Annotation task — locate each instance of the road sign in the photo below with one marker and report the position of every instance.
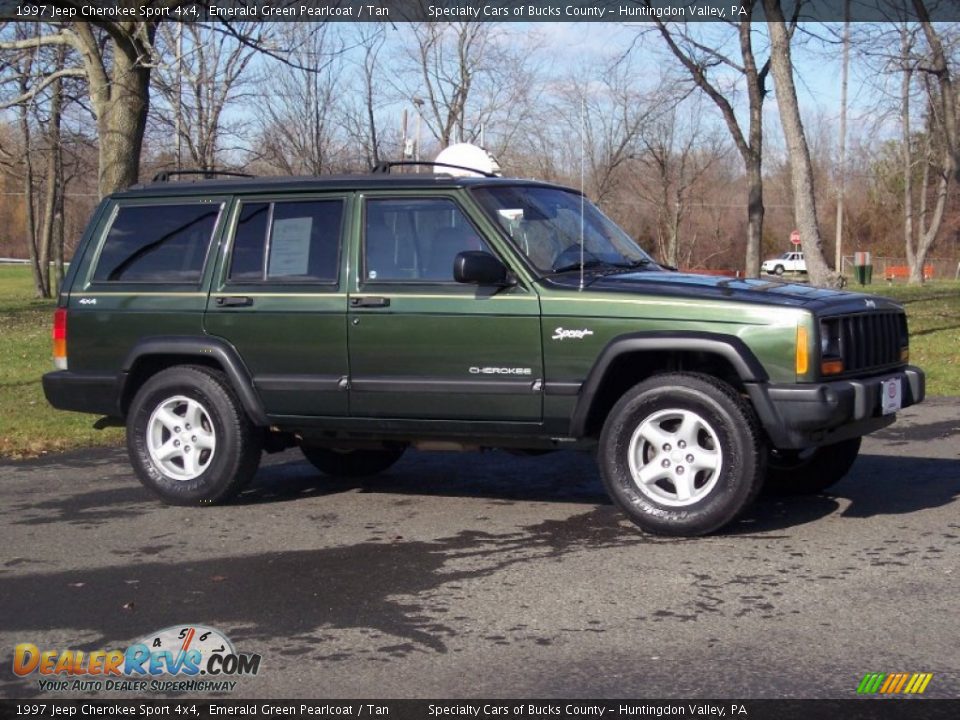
(795, 237)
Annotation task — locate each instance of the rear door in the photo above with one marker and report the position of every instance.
(278, 297)
(145, 275)
(423, 346)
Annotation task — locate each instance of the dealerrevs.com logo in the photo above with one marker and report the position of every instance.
(182, 658)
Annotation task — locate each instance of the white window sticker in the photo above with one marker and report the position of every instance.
(290, 246)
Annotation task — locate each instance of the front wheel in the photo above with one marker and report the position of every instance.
(189, 439)
(808, 472)
(682, 454)
(351, 463)
(778, 270)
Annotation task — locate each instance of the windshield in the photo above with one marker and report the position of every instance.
(545, 225)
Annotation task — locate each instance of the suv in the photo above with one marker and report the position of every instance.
(358, 316)
(788, 262)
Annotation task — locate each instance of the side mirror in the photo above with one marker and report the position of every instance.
(480, 268)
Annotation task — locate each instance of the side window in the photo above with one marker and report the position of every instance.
(287, 242)
(415, 239)
(157, 243)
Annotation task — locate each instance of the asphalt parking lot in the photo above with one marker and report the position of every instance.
(490, 575)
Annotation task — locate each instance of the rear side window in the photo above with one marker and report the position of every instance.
(287, 242)
(157, 243)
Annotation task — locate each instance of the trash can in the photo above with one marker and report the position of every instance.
(863, 268)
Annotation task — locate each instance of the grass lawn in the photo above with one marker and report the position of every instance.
(29, 426)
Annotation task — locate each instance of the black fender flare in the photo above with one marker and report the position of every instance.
(222, 352)
(729, 347)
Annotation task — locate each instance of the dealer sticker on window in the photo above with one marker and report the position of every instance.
(891, 396)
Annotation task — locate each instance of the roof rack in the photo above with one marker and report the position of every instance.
(383, 167)
(165, 175)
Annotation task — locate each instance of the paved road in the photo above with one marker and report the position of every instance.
(492, 575)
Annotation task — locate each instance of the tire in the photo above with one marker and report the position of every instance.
(791, 472)
(174, 460)
(351, 463)
(654, 430)
(778, 270)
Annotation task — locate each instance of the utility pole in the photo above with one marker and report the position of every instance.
(418, 101)
(842, 175)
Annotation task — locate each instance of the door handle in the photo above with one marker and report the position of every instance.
(370, 302)
(235, 301)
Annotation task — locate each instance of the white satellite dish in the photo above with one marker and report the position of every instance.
(470, 161)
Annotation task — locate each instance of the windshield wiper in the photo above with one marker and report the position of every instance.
(626, 266)
(587, 264)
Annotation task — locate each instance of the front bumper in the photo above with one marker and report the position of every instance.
(799, 416)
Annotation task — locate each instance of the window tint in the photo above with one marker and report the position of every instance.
(157, 243)
(248, 242)
(302, 245)
(415, 239)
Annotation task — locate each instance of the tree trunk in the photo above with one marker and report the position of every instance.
(52, 179)
(29, 216)
(121, 119)
(755, 212)
(805, 206)
(906, 149)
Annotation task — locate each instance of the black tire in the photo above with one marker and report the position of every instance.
(727, 434)
(797, 472)
(225, 469)
(778, 270)
(351, 463)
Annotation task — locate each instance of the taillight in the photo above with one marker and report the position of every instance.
(60, 338)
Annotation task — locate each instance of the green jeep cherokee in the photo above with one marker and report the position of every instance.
(357, 316)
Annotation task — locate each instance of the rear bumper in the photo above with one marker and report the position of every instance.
(798, 416)
(82, 392)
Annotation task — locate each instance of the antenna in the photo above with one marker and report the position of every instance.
(583, 104)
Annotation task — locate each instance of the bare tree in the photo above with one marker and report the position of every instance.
(468, 80)
(38, 164)
(300, 131)
(204, 76)
(804, 197)
(677, 151)
(701, 58)
(361, 112)
(929, 152)
(946, 108)
(115, 59)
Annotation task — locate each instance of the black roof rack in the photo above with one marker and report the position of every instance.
(165, 175)
(383, 167)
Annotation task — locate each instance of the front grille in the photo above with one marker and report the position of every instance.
(870, 341)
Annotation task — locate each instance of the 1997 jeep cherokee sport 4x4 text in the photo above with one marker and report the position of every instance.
(356, 316)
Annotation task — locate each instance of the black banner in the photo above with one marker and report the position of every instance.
(856, 709)
(472, 10)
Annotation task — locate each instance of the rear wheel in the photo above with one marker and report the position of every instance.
(811, 471)
(681, 454)
(351, 463)
(189, 439)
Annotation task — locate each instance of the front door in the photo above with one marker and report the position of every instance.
(423, 346)
(278, 299)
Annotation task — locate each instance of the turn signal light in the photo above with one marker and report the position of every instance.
(831, 367)
(803, 351)
(905, 355)
(60, 338)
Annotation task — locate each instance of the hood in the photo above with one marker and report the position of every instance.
(711, 287)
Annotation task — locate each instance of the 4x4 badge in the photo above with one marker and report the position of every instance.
(561, 334)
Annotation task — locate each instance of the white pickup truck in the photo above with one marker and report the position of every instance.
(788, 262)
